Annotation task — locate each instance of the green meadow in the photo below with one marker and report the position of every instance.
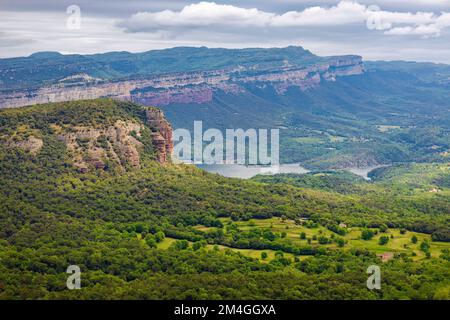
(400, 241)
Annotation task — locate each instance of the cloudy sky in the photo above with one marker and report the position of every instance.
(376, 29)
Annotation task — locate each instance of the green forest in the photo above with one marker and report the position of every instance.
(173, 231)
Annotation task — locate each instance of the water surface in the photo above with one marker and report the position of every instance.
(247, 172)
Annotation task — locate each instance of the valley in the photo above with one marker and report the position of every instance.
(290, 232)
(152, 229)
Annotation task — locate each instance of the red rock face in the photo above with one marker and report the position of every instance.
(162, 134)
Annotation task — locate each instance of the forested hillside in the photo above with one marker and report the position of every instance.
(143, 229)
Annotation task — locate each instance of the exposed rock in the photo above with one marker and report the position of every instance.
(187, 87)
(92, 147)
(118, 145)
(32, 144)
(162, 134)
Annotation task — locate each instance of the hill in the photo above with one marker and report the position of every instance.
(137, 228)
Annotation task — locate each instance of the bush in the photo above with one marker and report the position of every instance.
(159, 236)
(425, 246)
(383, 240)
(150, 240)
(323, 240)
(367, 234)
(181, 244)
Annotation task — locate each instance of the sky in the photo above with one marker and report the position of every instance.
(417, 30)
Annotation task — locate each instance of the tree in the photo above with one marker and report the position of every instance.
(340, 242)
(414, 239)
(323, 240)
(425, 246)
(269, 235)
(383, 240)
(150, 240)
(367, 234)
(264, 255)
(181, 244)
(196, 246)
(159, 236)
(303, 236)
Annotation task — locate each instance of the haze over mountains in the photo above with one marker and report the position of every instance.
(334, 112)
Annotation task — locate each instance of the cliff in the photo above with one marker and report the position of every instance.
(161, 135)
(104, 135)
(198, 83)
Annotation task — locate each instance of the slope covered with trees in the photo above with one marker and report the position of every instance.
(112, 222)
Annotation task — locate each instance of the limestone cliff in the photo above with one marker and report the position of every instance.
(116, 142)
(161, 135)
(100, 148)
(186, 87)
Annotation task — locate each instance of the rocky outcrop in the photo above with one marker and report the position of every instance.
(116, 145)
(187, 87)
(30, 144)
(161, 135)
(119, 145)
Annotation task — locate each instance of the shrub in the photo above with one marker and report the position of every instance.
(367, 234)
(383, 240)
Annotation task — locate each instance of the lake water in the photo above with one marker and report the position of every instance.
(247, 172)
(364, 172)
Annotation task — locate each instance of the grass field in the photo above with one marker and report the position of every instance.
(167, 242)
(398, 242)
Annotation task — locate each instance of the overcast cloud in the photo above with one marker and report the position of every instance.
(389, 30)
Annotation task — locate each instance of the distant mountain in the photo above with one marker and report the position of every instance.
(333, 112)
(45, 68)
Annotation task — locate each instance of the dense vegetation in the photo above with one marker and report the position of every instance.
(115, 226)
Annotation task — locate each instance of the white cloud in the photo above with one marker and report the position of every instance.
(422, 30)
(202, 14)
(343, 13)
(213, 15)
(325, 27)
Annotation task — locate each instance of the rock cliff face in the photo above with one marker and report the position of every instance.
(186, 87)
(120, 144)
(117, 145)
(100, 148)
(161, 135)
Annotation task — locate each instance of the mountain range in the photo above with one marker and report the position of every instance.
(333, 112)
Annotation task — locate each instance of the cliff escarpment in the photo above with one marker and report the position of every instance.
(164, 85)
